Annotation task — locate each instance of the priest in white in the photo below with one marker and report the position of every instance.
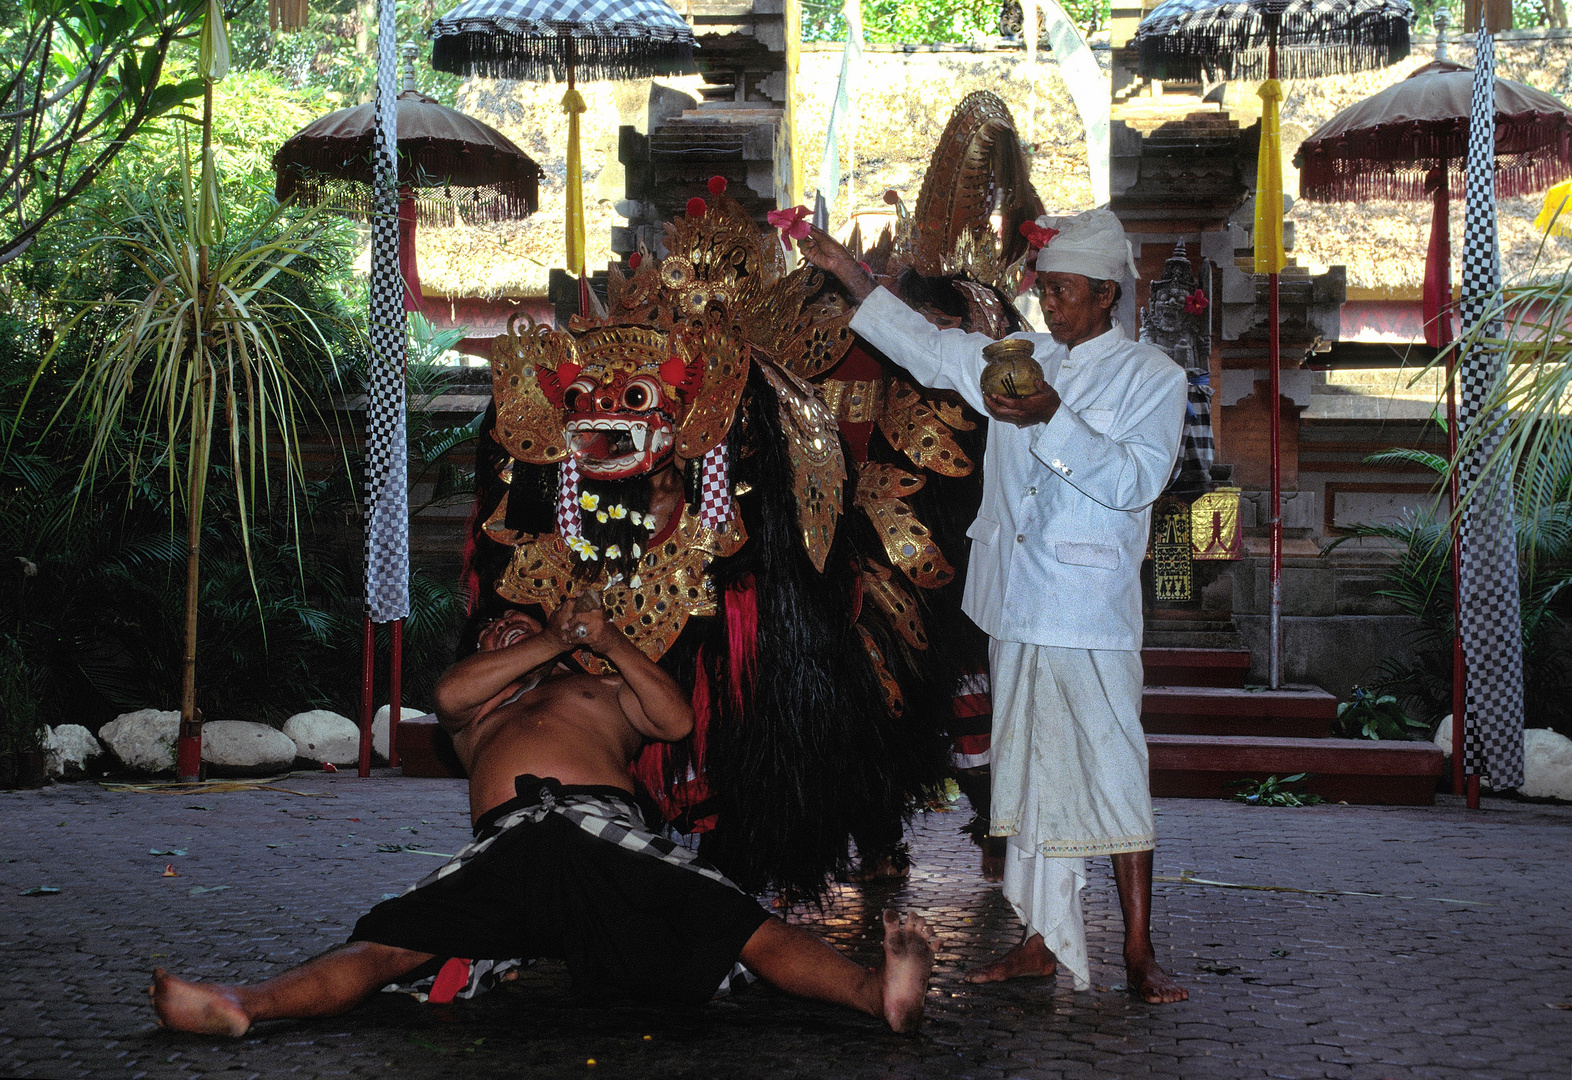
(1069, 477)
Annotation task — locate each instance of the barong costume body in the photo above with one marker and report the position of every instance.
(572, 872)
(1054, 581)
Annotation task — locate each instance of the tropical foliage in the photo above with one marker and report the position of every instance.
(930, 21)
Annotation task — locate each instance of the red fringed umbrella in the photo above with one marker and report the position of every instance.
(1386, 146)
(449, 166)
(1408, 143)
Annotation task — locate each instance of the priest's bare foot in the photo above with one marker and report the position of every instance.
(1155, 986)
(205, 1008)
(908, 962)
(1030, 958)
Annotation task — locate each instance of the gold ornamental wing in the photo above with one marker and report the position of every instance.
(881, 492)
(918, 430)
(529, 426)
(817, 462)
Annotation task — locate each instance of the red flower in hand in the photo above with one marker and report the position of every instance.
(1036, 235)
(1196, 303)
(792, 223)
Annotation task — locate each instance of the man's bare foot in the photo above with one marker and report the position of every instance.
(1030, 957)
(908, 961)
(205, 1008)
(1154, 985)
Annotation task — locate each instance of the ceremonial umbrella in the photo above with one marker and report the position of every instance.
(1410, 142)
(1247, 38)
(446, 164)
(563, 39)
(450, 166)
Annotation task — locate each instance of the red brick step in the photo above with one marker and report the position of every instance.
(1195, 667)
(1361, 771)
(1300, 712)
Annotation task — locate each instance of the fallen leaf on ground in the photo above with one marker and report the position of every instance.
(328, 766)
(166, 851)
(40, 890)
(169, 870)
(198, 890)
(1558, 1005)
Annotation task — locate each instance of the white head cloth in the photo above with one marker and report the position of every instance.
(1091, 244)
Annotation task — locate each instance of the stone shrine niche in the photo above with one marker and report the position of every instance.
(1177, 317)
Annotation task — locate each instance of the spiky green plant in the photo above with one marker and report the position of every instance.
(208, 352)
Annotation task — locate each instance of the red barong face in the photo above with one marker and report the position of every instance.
(621, 428)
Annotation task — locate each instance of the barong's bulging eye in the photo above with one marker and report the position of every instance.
(571, 397)
(641, 394)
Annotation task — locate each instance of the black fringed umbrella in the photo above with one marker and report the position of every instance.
(541, 39)
(1182, 39)
(564, 39)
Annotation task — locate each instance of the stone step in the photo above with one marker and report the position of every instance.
(1301, 712)
(1170, 639)
(1184, 666)
(1360, 771)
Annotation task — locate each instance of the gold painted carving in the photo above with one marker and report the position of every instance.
(878, 583)
(893, 699)
(529, 426)
(1214, 525)
(818, 466)
(916, 429)
(853, 402)
(673, 585)
(881, 491)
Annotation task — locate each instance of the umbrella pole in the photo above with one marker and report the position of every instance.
(1444, 340)
(368, 667)
(576, 187)
(395, 690)
(1275, 384)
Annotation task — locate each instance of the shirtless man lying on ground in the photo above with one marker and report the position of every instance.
(563, 864)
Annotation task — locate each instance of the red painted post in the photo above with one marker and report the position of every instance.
(395, 689)
(1275, 384)
(368, 667)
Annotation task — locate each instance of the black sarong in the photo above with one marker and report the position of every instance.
(573, 873)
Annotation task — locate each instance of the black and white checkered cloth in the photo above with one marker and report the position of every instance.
(1193, 470)
(534, 39)
(1190, 39)
(387, 464)
(569, 521)
(1490, 620)
(715, 488)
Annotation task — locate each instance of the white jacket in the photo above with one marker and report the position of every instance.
(1058, 542)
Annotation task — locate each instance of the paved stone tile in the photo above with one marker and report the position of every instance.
(1444, 970)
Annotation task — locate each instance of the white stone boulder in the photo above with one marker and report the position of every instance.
(1547, 761)
(68, 748)
(1547, 765)
(245, 748)
(322, 735)
(379, 728)
(143, 740)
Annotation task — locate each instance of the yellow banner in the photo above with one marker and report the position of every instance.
(573, 105)
(1269, 256)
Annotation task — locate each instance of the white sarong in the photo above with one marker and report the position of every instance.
(1069, 780)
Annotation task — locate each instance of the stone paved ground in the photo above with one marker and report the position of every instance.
(1409, 982)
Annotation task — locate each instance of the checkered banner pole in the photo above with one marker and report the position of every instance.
(387, 470)
(1489, 618)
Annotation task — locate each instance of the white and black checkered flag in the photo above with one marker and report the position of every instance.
(387, 468)
(1489, 618)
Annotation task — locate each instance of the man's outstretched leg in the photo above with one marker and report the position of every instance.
(798, 962)
(1133, 876)
(323, 986)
